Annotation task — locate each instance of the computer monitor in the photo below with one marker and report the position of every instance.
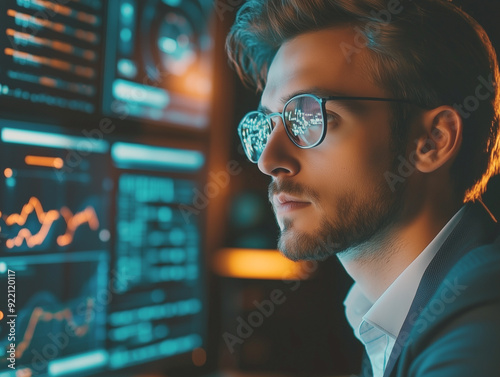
(158, 61)
(102, 263)
(50, 56)
(101, 267)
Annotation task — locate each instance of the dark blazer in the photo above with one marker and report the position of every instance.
(453, 326)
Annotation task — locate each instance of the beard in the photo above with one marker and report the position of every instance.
(359, 221)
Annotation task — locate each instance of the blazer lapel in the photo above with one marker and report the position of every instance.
(476, 227)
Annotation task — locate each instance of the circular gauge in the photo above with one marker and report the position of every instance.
(171, 32)
(176, 44)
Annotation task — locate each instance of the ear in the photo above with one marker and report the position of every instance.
(441, 138)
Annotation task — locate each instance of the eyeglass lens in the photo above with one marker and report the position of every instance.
(254, 132)
(303, 118)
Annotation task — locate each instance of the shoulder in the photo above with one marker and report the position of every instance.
(478, 274)
(458, 330)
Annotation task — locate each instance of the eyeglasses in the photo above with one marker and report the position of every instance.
(304, 117)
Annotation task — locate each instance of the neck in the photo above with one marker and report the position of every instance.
(375, 264)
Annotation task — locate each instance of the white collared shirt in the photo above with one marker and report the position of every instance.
(377, 325)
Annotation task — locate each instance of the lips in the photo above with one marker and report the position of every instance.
(286, 203)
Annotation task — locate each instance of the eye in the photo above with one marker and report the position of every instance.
(332, 119)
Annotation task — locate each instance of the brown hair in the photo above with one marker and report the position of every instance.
(427, 51)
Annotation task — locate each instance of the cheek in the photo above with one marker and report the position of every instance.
(357, 164)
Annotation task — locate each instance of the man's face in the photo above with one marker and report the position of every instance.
(332, 197)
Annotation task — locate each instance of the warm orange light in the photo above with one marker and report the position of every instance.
(198, 84)
(199, 357)
(257, 264)
(50, 162)
(47, 81)
(8, 173)
(24, 372)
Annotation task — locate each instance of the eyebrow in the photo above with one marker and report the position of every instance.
(264, 109)
(317, 91)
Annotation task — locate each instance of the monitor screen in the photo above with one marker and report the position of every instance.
(160, 305)
(102, 267)
(101, 261)
(140, 60)
(50, 54)
(158, 63)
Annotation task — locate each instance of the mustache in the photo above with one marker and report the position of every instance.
(291, 188)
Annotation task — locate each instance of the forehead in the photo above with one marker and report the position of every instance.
(326, 61)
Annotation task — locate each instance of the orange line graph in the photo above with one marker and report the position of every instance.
(47, 219)
(39, 314)
(33, 205)
(31, 239)
(88, 216)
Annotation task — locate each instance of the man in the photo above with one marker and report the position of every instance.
(379, 128)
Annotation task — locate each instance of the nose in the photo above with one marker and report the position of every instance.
(279, 157)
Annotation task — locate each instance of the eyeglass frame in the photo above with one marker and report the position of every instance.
(322, 101)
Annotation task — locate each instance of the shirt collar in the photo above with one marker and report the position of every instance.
(389, 312)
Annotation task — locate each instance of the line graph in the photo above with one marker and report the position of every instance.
(74, 221)
(33, 206)
(59, 313)
(39, 314)
(47, 221)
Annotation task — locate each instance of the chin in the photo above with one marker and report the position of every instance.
(304, 246)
